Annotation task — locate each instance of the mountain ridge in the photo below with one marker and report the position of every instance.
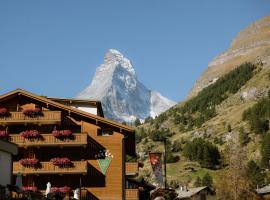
(123, 96)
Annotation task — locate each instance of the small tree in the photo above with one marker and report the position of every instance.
(254, 174)
(137, 122)
(229, 128)
(243, 137)
(177, 146)
(207, 180)
(198, 182)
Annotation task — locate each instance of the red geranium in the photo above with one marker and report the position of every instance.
(3, 112)
(29, 162)
(32, 112)
(4, 134)
(64, 189)
(29, 188)
(61, 162)
(30, 134)
(62, 133)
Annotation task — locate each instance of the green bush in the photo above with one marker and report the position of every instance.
(258, 116)
(202, 151)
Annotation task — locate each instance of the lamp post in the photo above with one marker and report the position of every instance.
(165, 169)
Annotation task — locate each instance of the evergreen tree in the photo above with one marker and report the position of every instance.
(265, 150)
(229, 128)
(198, 182)
(243, 137)
(177, 146)
(207, 180)
(254, 174)
(137, 122)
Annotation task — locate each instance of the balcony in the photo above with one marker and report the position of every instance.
(132, 168)
(49, 140)
(79, 167)
(132, 194)
(47, 117)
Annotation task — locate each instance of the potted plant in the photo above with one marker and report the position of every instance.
(61, 162)
(30, 134)
(62, 134)
(3, 112)
(4, 134)
(63, 190)
(29, 162)
(32, 112)
(29, 188)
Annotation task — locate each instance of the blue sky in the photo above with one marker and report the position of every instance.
(53, 47)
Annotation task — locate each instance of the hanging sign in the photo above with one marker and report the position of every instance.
(156, 163)
(104, 159)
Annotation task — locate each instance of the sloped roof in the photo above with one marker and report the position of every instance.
(264, 190)
(67, 108)
(189, 193)
(80, 101)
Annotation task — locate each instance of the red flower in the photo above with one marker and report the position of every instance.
(30, 134)
(64, 189)
(32, 112)
(3, 112)
(4, 134)
(29, 162)
(29, 188)
(62, 133)
(61, 162)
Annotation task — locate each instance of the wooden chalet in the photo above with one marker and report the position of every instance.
(68, 142)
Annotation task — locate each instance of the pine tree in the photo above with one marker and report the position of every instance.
(265, 150)
(243, 137)
(254, 174)
(207, 180)
(137, 122)
(198, 182)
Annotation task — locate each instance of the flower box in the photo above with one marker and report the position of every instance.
(61, 134)
(4, 134)
(3, 112)
(29, 162)
(30, 134)
(32, 112)
(64, 189)
(61, 162)
(29, 188)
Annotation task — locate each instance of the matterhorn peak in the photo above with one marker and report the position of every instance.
(123, 96)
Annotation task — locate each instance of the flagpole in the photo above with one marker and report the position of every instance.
(165, 169)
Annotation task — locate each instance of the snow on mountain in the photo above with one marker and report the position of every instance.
(123, 97)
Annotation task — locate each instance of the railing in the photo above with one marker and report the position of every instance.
(132, 168)
(49, 168)
(50, 140)
(46, 117)
(132, 194)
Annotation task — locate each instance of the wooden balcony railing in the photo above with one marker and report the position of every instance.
(132, 194)
(47, 117)
(79, 167)
(132, 168)
(49, 140)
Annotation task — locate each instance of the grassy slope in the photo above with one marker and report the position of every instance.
(229, 112)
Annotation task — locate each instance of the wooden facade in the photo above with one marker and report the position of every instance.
(92, 140)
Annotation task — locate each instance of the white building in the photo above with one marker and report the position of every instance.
(7, 150)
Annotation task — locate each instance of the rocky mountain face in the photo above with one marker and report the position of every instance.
(251, 45)
(123, 96)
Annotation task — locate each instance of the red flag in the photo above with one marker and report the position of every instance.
(156, 163)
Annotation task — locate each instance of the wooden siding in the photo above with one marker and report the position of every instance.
(132, 194)
(132, 168)
(49, 140)
(49, 168)
(47, 117)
